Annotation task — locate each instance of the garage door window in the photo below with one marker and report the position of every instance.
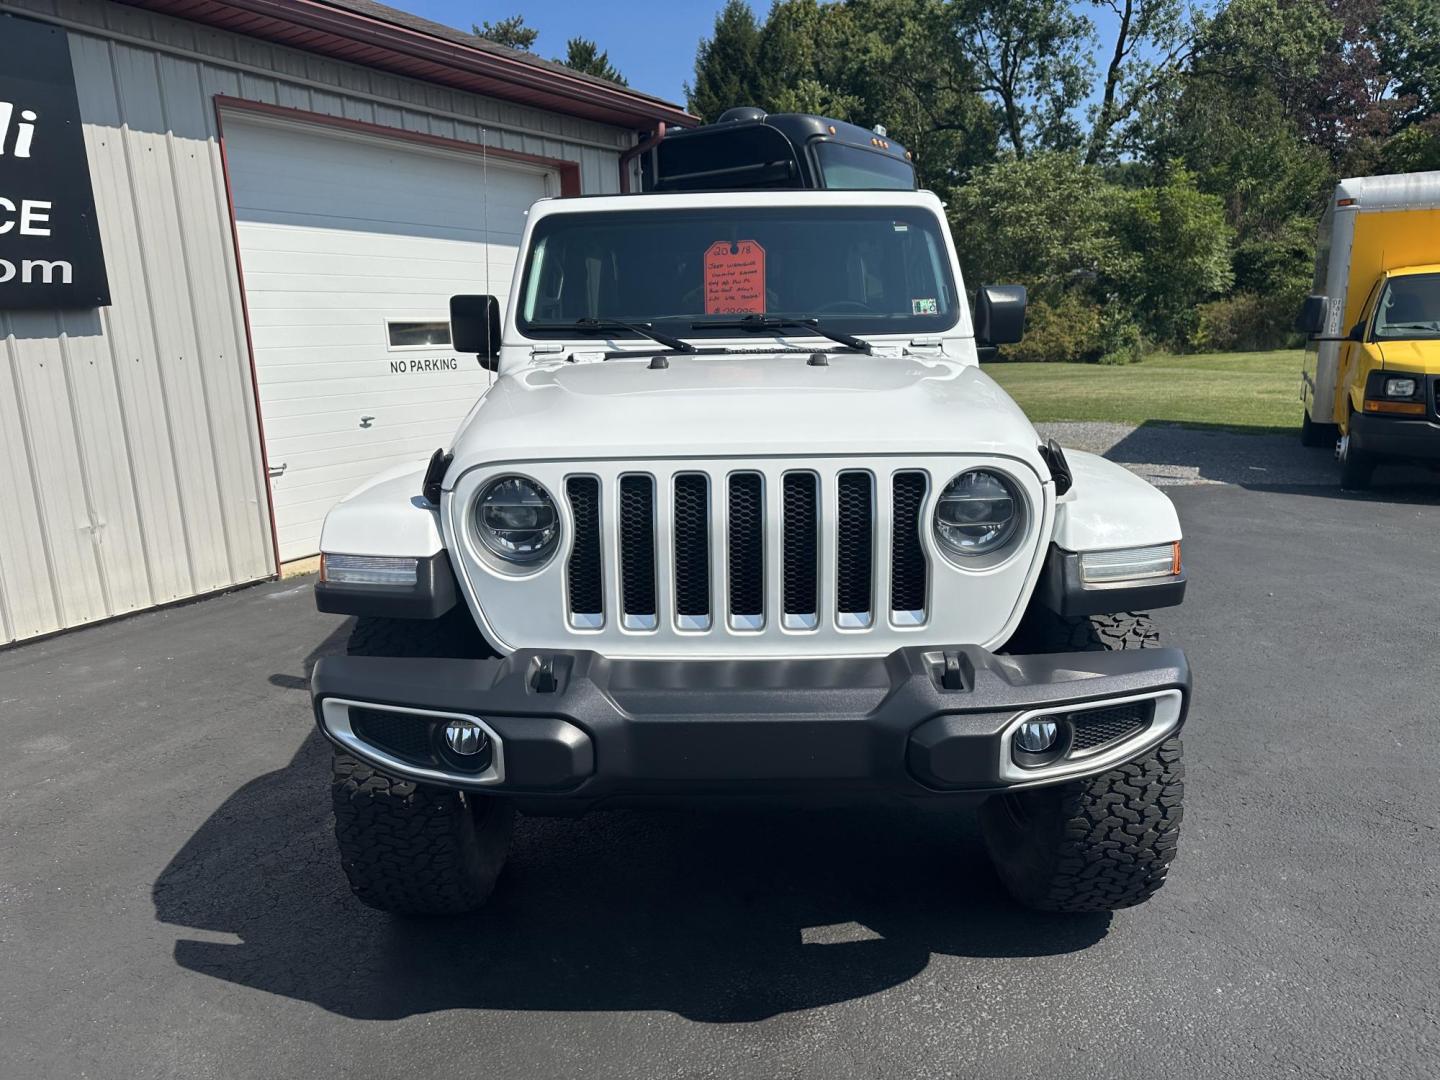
(418, 333)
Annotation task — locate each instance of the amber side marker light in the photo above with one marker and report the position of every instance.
(1396, 408)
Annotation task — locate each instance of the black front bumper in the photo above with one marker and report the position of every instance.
(1393, 436)
(579, 728)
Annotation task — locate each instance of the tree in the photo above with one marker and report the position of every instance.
(727, 69)
(1153, 40)
(1031, 56)
(1407, 33)
(1175, 254)
(511, 32)
(584, 55)
(1041, 221)
(890, 62)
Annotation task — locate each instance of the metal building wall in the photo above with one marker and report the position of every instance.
(130, 466)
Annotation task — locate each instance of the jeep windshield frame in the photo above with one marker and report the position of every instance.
(861, 269)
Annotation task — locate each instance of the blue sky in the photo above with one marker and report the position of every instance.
(653, 44)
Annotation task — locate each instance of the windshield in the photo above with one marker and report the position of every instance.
(1409, 308)
(861, 270)
(854, 167)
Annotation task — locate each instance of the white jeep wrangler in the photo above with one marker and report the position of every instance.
(741, 517)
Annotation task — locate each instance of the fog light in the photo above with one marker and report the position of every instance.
(1037, 736)
(467, 738)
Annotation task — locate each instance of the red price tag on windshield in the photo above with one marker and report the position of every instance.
(735, 278)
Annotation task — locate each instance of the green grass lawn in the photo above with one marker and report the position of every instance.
(1245, 391)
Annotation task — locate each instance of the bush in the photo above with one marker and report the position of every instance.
(1245, 322)
(1176, 254)
(1036, 221)
(1068, 330)
(1120, 339)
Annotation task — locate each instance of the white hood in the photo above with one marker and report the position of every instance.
(744, 406)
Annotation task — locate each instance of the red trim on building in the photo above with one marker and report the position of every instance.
(568, 170)
(441, 56)
(249, 337)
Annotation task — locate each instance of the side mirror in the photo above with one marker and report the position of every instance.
(999, 315)
(1312, 315)
(475, 328)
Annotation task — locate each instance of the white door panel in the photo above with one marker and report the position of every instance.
(338, 236)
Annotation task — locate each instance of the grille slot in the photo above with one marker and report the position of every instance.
(802, 550)
(907, 570)
(400, 734)
(692, 551)
(854, 550)
(637, 552)
(745, 537)
(1094, 728)
(584, 574)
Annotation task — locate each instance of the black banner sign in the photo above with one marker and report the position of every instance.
(50, 253)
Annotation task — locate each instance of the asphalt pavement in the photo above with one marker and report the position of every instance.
(171, 904)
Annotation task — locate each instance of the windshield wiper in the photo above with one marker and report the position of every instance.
(757, 323)
(643, 329)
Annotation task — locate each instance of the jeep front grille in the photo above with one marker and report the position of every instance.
(637, 552)
(584, 585)
(781, 534)
(801, 560)
(908, 571)
(692, 551)
(745, 551)
(854, 550)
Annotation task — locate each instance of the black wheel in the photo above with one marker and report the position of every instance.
(410, 848)
(1101, 843)
(1357, 468)
(416, 850)
(1313, 434)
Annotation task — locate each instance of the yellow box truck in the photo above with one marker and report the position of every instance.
(1372, 366)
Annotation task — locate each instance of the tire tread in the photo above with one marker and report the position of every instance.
(416, 850)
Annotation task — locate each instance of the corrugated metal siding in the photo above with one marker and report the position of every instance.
(130, 469)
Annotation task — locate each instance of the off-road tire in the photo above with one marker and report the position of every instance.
(1097, 844)
(409, 848)
(1042, 631)
(416, 850)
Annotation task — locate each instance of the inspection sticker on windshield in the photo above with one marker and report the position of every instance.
(734, 278)
(927, 306)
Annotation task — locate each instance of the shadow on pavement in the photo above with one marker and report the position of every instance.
(719, 916)
(1169, 453)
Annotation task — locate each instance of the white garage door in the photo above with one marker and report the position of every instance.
(352, 248)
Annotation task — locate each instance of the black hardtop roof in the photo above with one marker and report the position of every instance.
(797, 127)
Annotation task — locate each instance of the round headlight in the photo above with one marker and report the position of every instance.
(977, 513)
(515, 519)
